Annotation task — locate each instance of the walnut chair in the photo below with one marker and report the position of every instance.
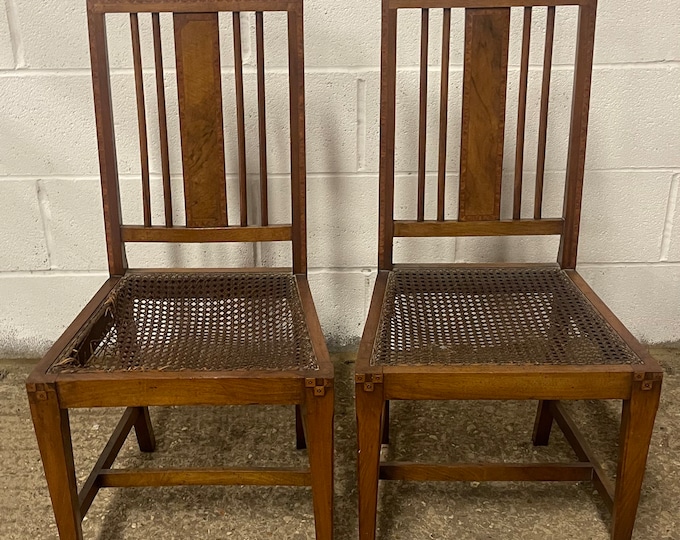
(171, 337)
(495, 331)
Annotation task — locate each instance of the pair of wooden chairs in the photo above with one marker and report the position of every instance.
(245, 336)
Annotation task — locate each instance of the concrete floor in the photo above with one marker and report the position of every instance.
(408, 511)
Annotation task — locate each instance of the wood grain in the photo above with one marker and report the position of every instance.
(422, 115)
(443, 113)
(108, 166)
(388, 76)
(487, 33)
(240, 120)
(189, 6)
(260, 476)
(583, 451)
(479, 228)
(298, 160)
(486, 472)
(162, 118)
(141, 118)
(576, 153)
(543, 116)
(253, 233)
(521, 114)
(199, 88)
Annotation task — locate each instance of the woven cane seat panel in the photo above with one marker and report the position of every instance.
(492, 316)
(197, 321)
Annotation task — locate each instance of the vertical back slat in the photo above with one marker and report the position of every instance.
(298, 165)
(162, 118)
(200, 113)
(240, 120)
(487, 33)
(108, 164)
(443, 112)
(141, 117)
(262, 119)
(422, 129)
(388, 69)
(545, 99)
(521, 114)
(576, 153)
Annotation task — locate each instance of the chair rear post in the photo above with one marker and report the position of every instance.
(108, 164)
(298, 166)
(388, 69)
(576, 155)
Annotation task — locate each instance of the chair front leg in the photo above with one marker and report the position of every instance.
(318, 419)
(370, 407)
(637, 424)
(53, 432)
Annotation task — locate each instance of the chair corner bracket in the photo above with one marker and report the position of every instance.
(39, 391)
(369, 380)
(318, 385)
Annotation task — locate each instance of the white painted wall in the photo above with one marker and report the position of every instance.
(52, 254)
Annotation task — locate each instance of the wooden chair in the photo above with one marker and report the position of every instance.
(505, 331)
(183, 336)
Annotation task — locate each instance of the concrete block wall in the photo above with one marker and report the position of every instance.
(52, 253)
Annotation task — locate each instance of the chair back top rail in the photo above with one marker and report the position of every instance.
(200, 97)
(484, 106)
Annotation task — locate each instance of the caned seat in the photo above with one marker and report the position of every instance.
(502, 329)
(493, 316)
(195, 321)
(192, 336)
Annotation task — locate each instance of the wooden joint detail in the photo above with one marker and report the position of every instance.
(317, 385)
(39, 391)
(648, 380)
(368, 380)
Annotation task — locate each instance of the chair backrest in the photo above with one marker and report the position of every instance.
(483, 124)
(199, 74)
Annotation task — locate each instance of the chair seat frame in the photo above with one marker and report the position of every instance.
(638, 386)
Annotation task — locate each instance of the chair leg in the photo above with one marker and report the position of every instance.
(386, 423)
(370, 409)
(637, 424)
(53, 432)
(144, 431)
(318, 413)
(300, 442)
(543, 424)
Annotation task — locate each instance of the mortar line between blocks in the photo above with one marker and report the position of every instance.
(666, 235)
(54, 273)
(283, 70)
(15, 34)
(46, 219)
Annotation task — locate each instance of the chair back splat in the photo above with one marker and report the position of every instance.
(202, 103)
(484, 121)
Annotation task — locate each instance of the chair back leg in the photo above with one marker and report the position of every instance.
(144, 431)
(543, 424)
